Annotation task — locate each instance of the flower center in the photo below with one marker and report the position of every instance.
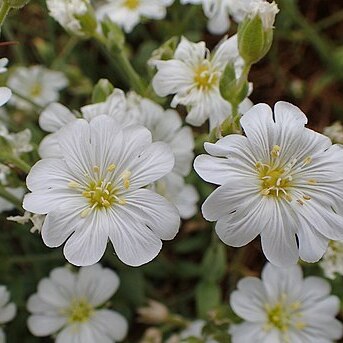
(79, 311)
(36, 90)
(103, 190)
(131, 4)
(276, 178)
(282, 316)
(204, 78)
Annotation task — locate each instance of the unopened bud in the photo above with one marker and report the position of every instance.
(154, 313)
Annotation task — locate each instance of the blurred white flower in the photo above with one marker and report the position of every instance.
(96, 192)
(334, 132)
(4, 172)
(37, 84)
(280, 181)
(70, 305)
(332, 262)
(154, 313)
(194, 75)
(284, 307)
(128, 13)
(65, 12)
(7, 310)
(19, 142)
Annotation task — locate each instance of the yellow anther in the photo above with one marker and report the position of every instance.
(111, 168)
(86, 212)
(308, 160)
(275, 151)
(96, 169)
(121, 201)
(300, 202)
(307, 197)
(312, 181)
(288, 197)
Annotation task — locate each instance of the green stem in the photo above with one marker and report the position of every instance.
(10, 197)
(135, 82)
(24, 259)
(4, 10)
(16, 161)
(69, 47)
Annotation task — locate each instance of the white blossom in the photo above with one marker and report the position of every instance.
(71, 305)
(3, 65)
(193, 75)
(280, 181)
(95, 192)
(194, 330)
(7, 310)
(266, 11)
(65, 12)
(285, 307)
(334, 132)
(5, 94)
(37, 84)
(128, 13)
(332, 261)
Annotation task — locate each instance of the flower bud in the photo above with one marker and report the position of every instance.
(255, 33)
(165, 51)
(154, 313)
(101, 91)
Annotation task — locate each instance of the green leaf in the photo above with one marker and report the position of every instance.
(208, 296)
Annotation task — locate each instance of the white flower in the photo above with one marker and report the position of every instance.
(96, 192)
(4, 172)
(194, 75)
(7, 310)
(5, 94)
(69, 304)
(19, 142)
(65, 12)
(128, 13)
(280, 181)
(335, 132)
(332, 262)
(55, 116)
(37, 84)
(283, 307)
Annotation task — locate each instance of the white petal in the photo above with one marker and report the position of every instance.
(54, 117)
(111, 323)
(87, 245)
(134, 243)
(97, 284)
(7, 313)
(287, 114)
(154, 211)
(5, 94)
(49, 147)
(45, 325)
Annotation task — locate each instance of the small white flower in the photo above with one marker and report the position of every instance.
(7, 310)
(70, 305)
(280, 181)
(194, 75)
(36, 83)
(19, 142)
(96, 192)
(65, 12)
(283, 307)
(332, 262)
(128, 13)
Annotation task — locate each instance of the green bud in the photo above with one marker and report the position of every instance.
(17, 3)
(87, 21)
(253, 40)
(113, 34)
(101, 91)
(165, 51)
